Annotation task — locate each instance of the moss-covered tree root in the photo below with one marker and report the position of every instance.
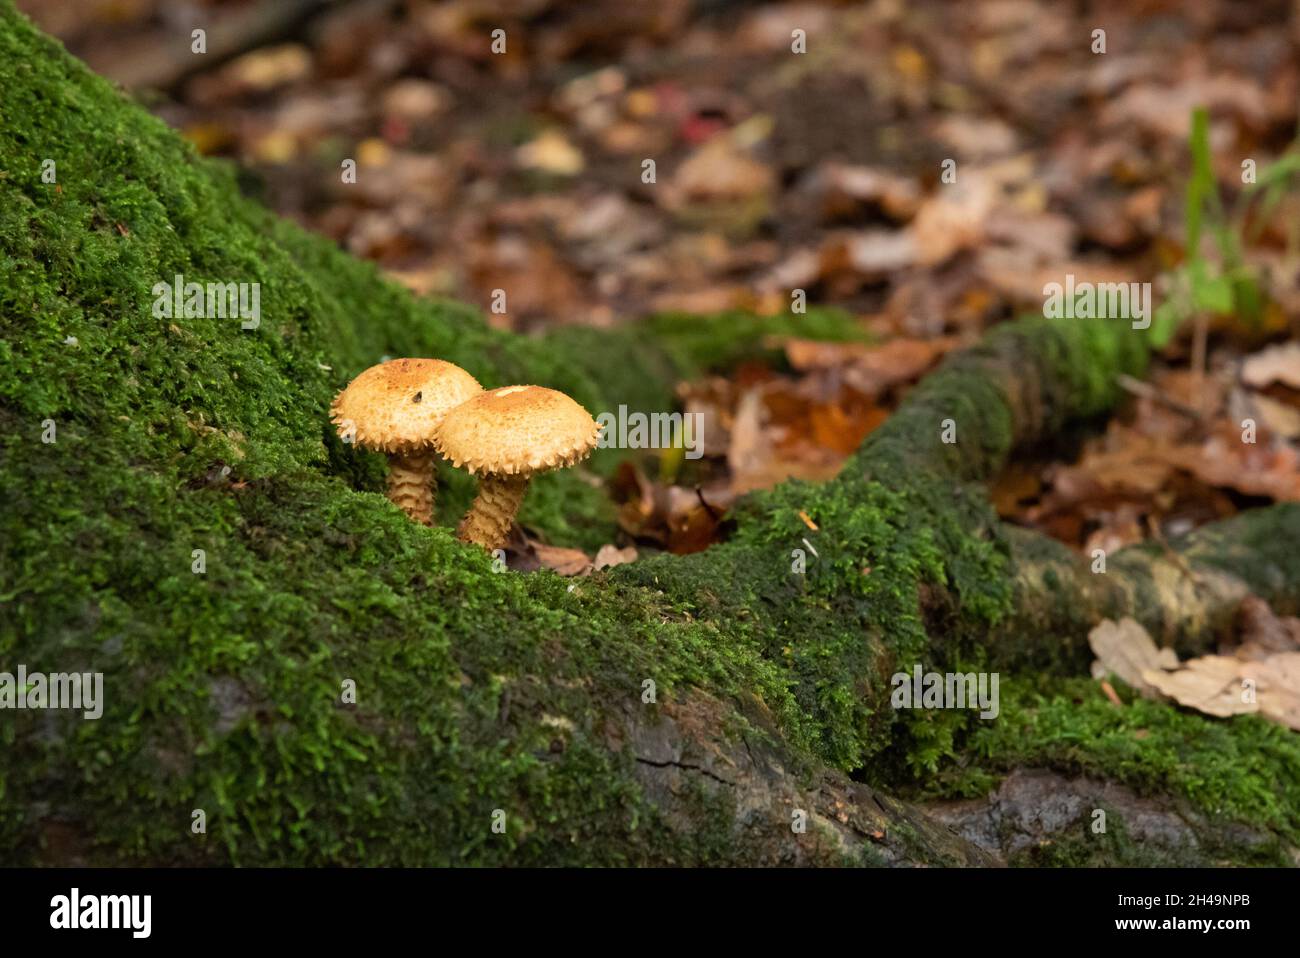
(1187, 592)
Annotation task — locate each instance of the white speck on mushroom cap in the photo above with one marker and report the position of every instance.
(517, 430)
(395, 406)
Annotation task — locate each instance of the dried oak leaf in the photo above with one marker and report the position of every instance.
(610, 555)
(1126, 650)
(566, 562)
(1276, 364)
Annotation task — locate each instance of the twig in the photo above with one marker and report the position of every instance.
(714, 513)
(1138, 388)
(1154, 528)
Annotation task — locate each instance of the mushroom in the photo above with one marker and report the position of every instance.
(505, 437)
(393, 408)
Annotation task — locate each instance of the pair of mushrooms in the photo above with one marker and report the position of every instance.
(411, 409)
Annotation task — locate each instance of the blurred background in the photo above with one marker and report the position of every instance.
(777, 170)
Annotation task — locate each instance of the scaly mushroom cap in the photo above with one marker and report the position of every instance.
(516, 430)
(394, 407)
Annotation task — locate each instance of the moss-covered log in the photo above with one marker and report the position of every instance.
(329, 682)
(1186, 592)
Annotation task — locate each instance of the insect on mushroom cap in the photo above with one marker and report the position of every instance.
(395, 406)
(517, 430)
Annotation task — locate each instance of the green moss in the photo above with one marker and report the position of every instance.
(699, 344)
(904, 531)
(1243, 770)
(843, 626)
(223, 688)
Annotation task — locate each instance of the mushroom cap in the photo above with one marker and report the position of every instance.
(394, 407)
(517, 430)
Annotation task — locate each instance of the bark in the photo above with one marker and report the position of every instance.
(1186, 592)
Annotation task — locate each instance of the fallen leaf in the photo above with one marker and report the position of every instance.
(269, 67)
(874, 254)
(1126, 650)
(1252, 468)
(953, 218)
(749, 449)
(844, 189)
(1276, 364)
(1166, 109)
(1223, 686)
(873, 368)
(833, 428)
(1277, 687)
(610, 555)
(719, 170)
(415, 100)
(1278, 418)
(1262, 632)
(566, 562)
(550, 153)
(1210, 684)
(976, 136)
(693, 532)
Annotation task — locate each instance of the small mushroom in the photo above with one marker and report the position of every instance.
(505, 437)
(394, 408)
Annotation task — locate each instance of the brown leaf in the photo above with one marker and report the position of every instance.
(953, 218)
(550, 153)
(749, 450)
(1210, 684)
(844, 188)
(873, 368)
(1277, 687)
(610, 555)
(1276, 364)
(1126, 650)
(835, 429)
(1252, 468)
(566, 562)
(1277, 418)
(873, 254)
(1223, 686)
(693, 532)
(637, 515)
(1166, 109)
(1262, 632)
(719, 170)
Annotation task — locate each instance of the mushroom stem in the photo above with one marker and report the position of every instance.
(411, 484)
(487, 523)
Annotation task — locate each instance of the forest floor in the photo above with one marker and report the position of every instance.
(824, 173)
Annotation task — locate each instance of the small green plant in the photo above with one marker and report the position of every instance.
(1231, 286)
